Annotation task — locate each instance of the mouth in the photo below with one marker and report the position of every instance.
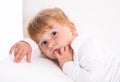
(56, 50)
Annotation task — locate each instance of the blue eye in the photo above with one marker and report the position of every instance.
(43, 43)
(54, 33)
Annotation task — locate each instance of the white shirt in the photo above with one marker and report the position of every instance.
(89, 64)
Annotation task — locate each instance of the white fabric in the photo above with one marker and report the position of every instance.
(39, 70)
(88, 65)
(91, 63)
(113, 70)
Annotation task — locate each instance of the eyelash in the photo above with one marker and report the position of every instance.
(43, 43)
(54, 33)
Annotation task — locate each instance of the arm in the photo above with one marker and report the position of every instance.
(77, 73)
(89, 67)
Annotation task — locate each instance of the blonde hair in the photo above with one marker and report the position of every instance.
(41, 22)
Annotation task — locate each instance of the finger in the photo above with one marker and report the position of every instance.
(66, 48)
(11, 49)
(57, 55)
(17, 54)
(21, 56)
(28, 57)
(70, 49)
(62, 50)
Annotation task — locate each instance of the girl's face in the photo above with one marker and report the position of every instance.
(55, 38)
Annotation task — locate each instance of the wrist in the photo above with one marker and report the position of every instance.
(65, 63)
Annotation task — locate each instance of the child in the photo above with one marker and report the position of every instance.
(56, 37)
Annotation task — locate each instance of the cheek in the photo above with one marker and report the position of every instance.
(43, 50)
(46, 51)
(65, 37)
(49, 55)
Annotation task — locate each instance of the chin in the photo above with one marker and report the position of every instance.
(52, 58)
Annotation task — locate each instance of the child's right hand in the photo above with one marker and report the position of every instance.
(65, 55)
(21, 49)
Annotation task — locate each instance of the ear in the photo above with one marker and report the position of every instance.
(73, 28)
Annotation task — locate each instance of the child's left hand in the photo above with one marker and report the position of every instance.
(64, 55)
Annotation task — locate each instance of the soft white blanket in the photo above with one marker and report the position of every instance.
(39, 70)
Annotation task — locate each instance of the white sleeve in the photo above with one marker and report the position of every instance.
(79, 74)
(76, 73)
(34, 45)
(90, 66)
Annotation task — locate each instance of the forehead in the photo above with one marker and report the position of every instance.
(47, 29)
(51, 25)
(45, 33)
(42, 34)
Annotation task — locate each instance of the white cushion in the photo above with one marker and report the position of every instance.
(39, 70)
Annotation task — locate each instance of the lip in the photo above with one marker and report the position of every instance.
(56, 50)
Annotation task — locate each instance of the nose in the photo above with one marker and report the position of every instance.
(51, 44)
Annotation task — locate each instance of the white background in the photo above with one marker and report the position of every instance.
(99, 18)
(10, 25)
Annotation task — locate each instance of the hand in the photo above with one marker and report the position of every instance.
(21, 49)
(64, 55)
